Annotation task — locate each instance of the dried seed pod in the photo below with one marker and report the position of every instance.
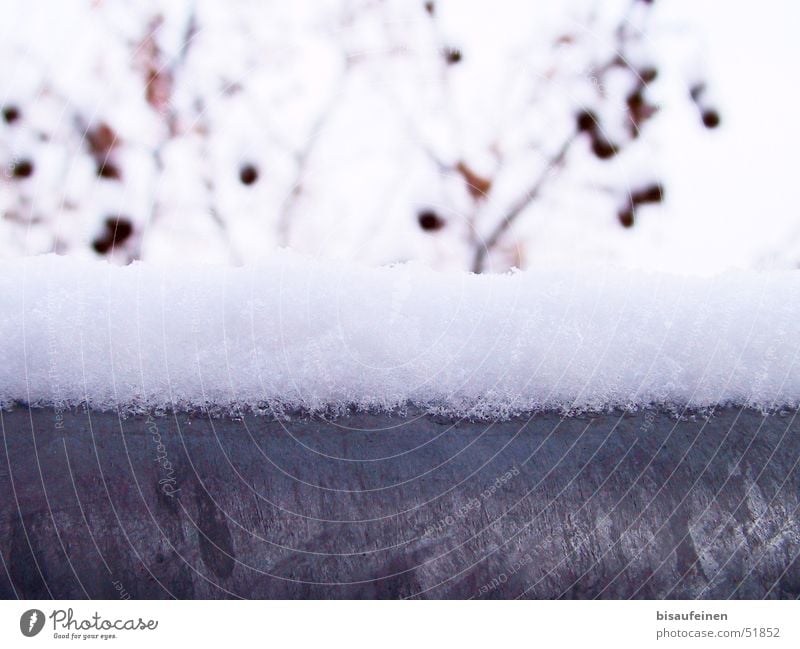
(116, 230)
(477, 186)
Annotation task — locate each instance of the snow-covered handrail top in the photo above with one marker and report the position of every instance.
(299, 333)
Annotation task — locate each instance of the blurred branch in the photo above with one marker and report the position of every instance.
(603, 149)
(161, 78)
(302, 158)
(488, 244)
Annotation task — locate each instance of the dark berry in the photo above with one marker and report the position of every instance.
(651, 194)
(626, 218)
(11, 114)
(116, 230)
(452, 56)
(710, 118)
(101, 139)
(648, 75)
(22, 169)
(107, 169)
(635, 101)
(639, 111)
(603, 149)
(586, 121)
(430, 221)
(248, 174)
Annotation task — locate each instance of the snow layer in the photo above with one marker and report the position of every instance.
(316, 335)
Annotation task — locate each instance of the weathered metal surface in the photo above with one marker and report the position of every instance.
(371, 506)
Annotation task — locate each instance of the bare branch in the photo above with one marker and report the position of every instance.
(522, 203)
(603, 149)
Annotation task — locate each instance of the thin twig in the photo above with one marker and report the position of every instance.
(517, 208)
